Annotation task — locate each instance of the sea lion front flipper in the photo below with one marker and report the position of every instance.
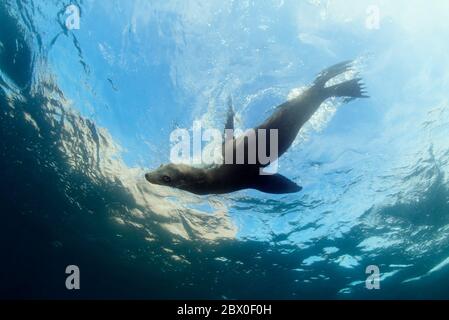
(275, 184)
(228, 133)
(229, 121)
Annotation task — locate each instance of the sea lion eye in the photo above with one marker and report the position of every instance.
(166, 179)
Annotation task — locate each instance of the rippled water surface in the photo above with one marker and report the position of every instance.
(84, 113)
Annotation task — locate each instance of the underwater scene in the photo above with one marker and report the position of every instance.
(92, 91)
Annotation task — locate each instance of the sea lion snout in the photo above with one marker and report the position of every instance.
(148, 177)
(160, 176)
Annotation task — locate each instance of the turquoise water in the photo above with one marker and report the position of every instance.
(86, 112)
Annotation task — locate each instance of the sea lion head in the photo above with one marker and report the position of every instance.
(178, 176)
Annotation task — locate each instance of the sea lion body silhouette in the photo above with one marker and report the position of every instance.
(288, 119)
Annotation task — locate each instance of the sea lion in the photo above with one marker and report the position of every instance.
(288, 119)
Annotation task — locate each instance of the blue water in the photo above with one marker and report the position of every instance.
(86, 112)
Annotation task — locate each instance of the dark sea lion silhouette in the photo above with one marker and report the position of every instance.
(288, 119)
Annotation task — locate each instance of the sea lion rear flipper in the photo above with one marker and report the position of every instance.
(350, 89)
(275, 184)
(332, 72)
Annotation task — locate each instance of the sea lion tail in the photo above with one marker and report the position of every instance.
(350, 89)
